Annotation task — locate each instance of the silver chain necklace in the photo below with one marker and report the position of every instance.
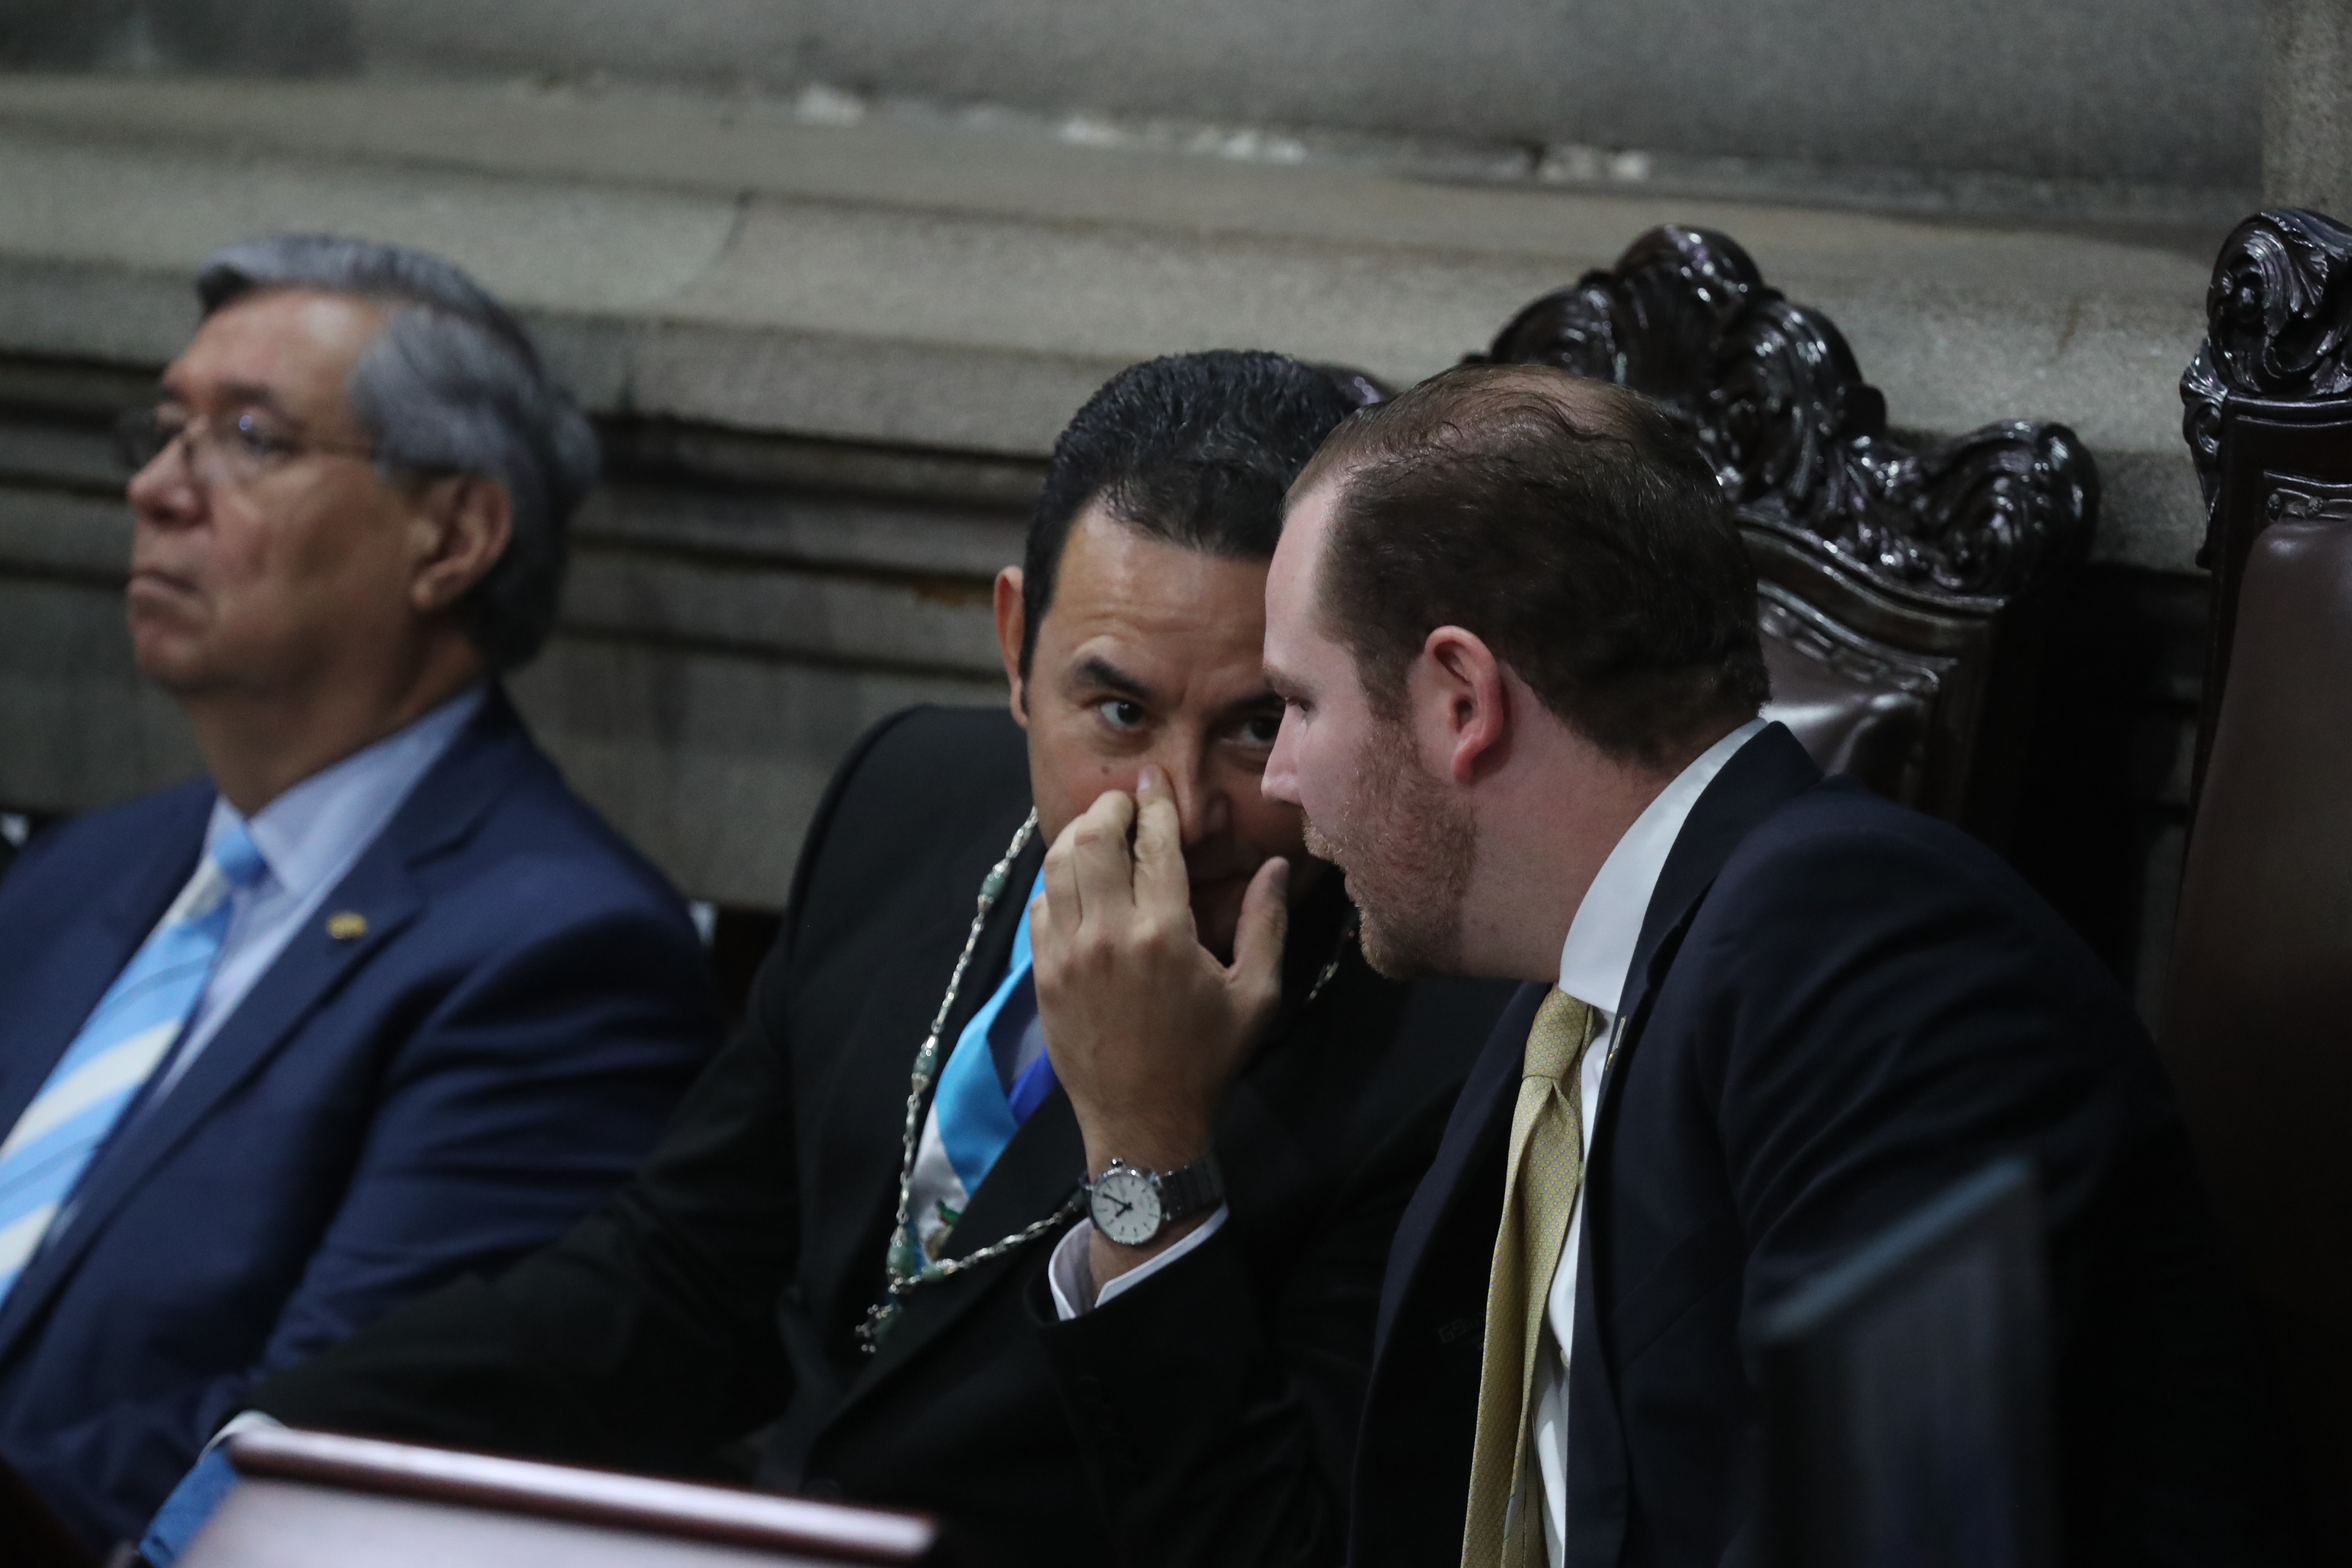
(904, 1263)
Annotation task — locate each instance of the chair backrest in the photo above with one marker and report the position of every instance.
(2257, 1027)
(306, 1499)
(1904, 586)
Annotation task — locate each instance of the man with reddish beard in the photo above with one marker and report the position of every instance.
(1767, 1012)
(1514, 628)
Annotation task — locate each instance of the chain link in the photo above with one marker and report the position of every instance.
(896, 1267)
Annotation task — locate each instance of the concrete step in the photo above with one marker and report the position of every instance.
(947, 286)
(832, 357)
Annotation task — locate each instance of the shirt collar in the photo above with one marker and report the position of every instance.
(1598, 956)
(305, 834)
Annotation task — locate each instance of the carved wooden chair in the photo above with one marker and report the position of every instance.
(2257, 1027)
(1904, 588)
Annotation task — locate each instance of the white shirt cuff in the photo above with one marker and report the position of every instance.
(1072, 1276)
(243, 1421)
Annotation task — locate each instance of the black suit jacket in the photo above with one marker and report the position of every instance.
(1206, 1415)
(1836, 1008)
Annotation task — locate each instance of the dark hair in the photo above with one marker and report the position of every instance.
(1197, 449)
(452, 385)
(1568, 522)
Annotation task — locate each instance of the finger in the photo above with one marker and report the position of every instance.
(1098, 855)
(1256, 971)
(1060, 905)
(1161, 883)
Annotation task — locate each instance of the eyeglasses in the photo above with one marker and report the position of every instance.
(237, 450)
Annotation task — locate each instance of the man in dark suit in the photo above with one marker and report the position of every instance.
(379, 1001)
(860, 1264)
(1769, 1012)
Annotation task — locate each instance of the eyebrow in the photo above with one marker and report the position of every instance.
(1096, 670)
(238, 392)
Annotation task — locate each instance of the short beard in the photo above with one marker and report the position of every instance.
(1409, 849)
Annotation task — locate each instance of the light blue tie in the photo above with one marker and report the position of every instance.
(131, 1030)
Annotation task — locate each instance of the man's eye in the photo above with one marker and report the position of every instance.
(256, 439)
(1262, 730)
(1122, 713)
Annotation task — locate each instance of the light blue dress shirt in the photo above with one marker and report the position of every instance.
(310, 837)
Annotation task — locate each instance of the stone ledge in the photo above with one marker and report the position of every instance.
(947, 290)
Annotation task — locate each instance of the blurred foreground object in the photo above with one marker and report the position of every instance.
(31, 1535)
(1907, 1394)
(1906, 589)
(2259, 1010)
(325, 1502)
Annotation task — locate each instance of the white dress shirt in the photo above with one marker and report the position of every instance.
(1595, 963)
(309, 838)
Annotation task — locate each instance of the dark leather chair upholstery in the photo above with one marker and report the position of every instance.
(1904, 587)
(2257, 1028)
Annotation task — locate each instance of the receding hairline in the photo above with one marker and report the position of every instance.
(1480, 402)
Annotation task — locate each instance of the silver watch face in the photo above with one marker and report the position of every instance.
(1127, 1207)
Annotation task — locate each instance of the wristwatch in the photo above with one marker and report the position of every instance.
(1132, 1205)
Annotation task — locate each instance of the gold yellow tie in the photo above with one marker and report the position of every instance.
(1545, 1167)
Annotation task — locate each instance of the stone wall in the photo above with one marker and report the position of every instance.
(830, 354)
(2148, 91)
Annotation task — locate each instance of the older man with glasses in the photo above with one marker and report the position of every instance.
(377, 1003)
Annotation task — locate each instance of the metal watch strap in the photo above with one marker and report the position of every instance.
(1187, 1192)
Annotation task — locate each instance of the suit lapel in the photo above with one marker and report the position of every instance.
(70, 979)
(1482, 1116)
(1037, 1172)
(439, 812)
(1763, 775)
(863, 1128)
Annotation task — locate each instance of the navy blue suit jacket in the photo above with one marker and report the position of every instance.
(379, 1115)
(1836, 1009)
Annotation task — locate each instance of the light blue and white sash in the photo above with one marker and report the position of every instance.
(997, 1073)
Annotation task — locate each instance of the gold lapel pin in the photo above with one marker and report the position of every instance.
(349, 926)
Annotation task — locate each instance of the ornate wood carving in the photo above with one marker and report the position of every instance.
(1771, 391)
(2267, 409)
(2278, 319)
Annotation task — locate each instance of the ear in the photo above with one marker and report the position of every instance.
(1012, 625)
(463, 526)
(1461, 704)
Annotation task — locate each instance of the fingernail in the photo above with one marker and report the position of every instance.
(1146, 777)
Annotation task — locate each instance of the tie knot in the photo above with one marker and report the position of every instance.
(1562, 1027)
(235, 853)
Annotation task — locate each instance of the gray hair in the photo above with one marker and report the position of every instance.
(452, 385)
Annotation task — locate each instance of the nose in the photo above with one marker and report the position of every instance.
(165, 492)
(1203, 812)
(1280, 780)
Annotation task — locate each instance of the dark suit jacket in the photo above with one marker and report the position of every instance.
(1207, 1415)
(378, 1116)
(1837, 1007)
